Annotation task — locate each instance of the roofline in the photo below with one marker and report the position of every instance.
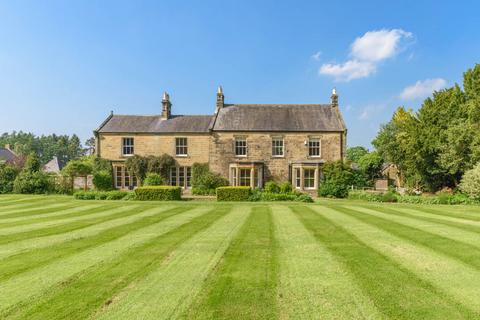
(292, 131)
(103, 123)
(279, 105)
(153, 132)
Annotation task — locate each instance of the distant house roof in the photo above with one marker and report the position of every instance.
(154, 124)
(53, 166)
(7, 155)
(279, 117)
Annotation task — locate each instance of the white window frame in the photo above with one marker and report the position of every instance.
(240, 147)
(181, 144)
(245, 178)
(118, 177)
(311, 147)
(130, 147)
(298, 177)
(310, 177)
(278, 144)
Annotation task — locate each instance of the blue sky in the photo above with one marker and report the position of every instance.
(65, 64)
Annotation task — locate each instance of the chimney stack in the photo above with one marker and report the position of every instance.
(334, 98)
(220, 99)
(166, 106)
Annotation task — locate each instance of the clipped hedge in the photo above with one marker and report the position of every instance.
(101, 195)
(233, 193)
(162, 193)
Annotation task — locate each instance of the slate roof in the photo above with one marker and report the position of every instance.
(279, 117)
(6, 155)
(54, 166)
(154, 124)
(235, 117)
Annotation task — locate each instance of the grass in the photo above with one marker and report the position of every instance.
(67, 259)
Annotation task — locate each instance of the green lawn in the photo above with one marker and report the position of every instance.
(66, 259)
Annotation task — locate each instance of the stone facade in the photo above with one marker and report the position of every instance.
(222, 153)
(211, 139)
(110, 146)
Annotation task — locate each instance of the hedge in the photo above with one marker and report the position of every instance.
(163, 193)
(233, 193)
(101, 195)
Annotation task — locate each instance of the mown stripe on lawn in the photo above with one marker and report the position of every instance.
(395, 291)
(21, 291)
(167, 291)
(244, 286)
(32, 209)
(453, 233)
(54, 222)
(454, 278)
(461, 251)
(39, 257)
(24, 201)
(50, 214)
(17, 247)
(468, 225)
(109, 278)
(463, 212)
(106, 215)
(313, 284)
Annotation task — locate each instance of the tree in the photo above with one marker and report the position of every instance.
(470, 183)
(78, 168)
(336, 181)
(7, 178)
(371, 163)
(434, 147)
(31, 179)
(355, 153)
(137, 166)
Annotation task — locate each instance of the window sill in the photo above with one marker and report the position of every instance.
(316, 157)
(278, 157)
(240, 156)
(181, 155)
(127, 155)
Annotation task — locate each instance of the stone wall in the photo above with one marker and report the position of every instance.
(260, 149)
(110, 146)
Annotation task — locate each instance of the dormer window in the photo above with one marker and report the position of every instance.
(127, 146)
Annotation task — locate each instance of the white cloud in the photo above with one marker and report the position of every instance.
(366, 53)
(378, 45)
(372, 110)
(423, 89)
(349, 70)
(316, 56)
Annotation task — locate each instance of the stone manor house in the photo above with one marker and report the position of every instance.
(248, 144)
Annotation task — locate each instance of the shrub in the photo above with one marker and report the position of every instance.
(285, 187)
(272, 187)
(116, 195)
(63, 185)
(130, 196)
(85, 195)
(102, 180)
(233, 193)
(337, 178)
(101, 195)
(153, 179)
(7, 178)
(161, 165)
(304, 198)
(333, 189)
(268, 196)
(33, 183)
(163, 193)
(201, 191)
(389, 196)
(470, 183)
